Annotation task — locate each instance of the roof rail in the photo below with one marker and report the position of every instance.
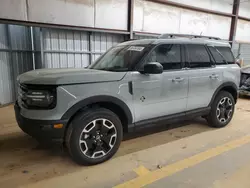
(167, 35)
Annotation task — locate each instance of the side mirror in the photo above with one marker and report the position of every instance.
(153, 68)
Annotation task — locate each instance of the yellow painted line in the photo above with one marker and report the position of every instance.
(183, 164)
(141, 171)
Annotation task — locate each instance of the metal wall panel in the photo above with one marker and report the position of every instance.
(235, 49)
(15, 59)
(6, 79)
(20, 37)
(245, 53)
(101, 42)
(3, 37)
(138, 37)
(65, 48)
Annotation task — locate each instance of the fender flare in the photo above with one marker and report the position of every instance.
(95, 99)
(226, 84)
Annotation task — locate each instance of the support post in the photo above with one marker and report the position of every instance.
(235, 12)
(90, 40)
(130, 18)
(32, 47)
(12, 64)
(42, 47)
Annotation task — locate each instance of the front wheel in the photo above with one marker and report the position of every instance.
(94, 136)
(222, 110)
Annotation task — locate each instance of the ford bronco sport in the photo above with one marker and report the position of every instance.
(134, 84)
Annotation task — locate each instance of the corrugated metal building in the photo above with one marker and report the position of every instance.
(62, 34)
(15, 58)
(64, 48)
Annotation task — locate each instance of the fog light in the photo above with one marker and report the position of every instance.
(58, 126)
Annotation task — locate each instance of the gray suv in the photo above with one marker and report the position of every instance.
(133, 85)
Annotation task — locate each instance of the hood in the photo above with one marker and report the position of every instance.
(68, 76)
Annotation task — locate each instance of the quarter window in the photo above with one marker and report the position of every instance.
(217, 57)
(224, 57)
(227, 54)
(169, 55)
(198, 56)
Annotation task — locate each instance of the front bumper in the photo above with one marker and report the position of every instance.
(42, 130)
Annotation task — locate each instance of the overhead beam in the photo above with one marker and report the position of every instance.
(180, 5)
(244, 18)
(236, 5)
(60, 26)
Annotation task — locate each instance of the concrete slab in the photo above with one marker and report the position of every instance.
(216, 172)
(23, 163)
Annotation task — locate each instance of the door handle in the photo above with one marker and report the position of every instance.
(214, 76)
(178, 79)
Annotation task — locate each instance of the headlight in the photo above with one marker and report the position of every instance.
(38, 99)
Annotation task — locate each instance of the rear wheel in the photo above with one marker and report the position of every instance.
(222, 110)
(94, 136)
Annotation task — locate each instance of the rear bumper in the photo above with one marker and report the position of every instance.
(42, 130)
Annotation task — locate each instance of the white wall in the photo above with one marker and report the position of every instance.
(243, 27)
(158, 18)
(243, 31)
(217, 5)
(13, 9)
(110, 14)
(245, 9)
(67, 12)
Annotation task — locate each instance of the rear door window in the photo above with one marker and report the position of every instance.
(198, 56)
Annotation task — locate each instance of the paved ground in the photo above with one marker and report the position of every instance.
(188, 154)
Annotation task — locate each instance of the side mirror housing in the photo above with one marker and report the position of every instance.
(153, 68)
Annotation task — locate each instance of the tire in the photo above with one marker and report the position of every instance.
(212, 118)
(96, 138)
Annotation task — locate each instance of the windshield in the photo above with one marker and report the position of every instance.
(120, 58)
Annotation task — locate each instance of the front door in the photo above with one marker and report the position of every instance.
(158, 95)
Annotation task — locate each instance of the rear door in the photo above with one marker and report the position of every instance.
(204, 77)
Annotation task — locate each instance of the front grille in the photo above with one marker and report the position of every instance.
(25, 89)
(22, 91)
